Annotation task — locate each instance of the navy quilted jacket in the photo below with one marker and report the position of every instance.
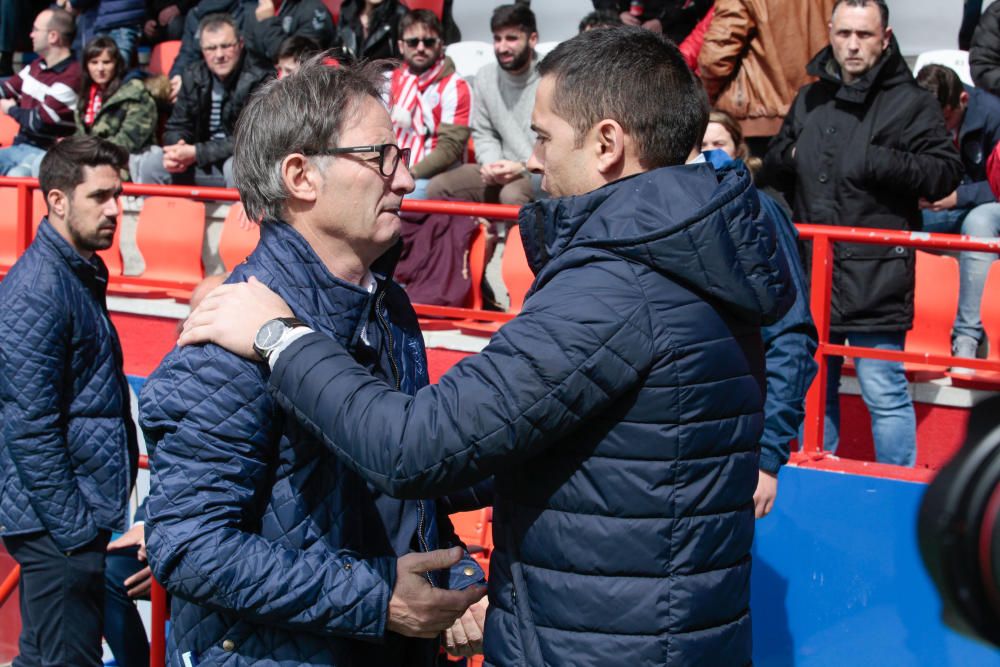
(276, 553)
(120, 13)
(620, 411)
(68, 452)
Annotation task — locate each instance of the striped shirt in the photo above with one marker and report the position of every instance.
(419, 105)
(46, 97)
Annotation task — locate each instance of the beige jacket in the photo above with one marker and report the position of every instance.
(754, 58)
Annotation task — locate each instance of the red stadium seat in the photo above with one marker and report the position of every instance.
(935, 303)
(162, 57)
(236, 243)
(517, 277)
(169, 235)
(436, 6)
(8, 228)
(8, 130)
(990, 311)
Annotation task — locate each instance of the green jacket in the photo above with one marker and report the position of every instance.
(127, 118)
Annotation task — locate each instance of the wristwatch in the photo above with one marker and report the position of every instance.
(271, 334)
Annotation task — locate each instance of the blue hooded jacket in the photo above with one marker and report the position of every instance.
(276, 553)
(68, 448)
(620, 412)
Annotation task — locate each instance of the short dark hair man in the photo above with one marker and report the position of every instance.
(429, 102)
(294, 51)
(972, 116)
(275, 550)
(198, 138)
(42, 96)
(68, 450)
(860, 147)
(620, 410)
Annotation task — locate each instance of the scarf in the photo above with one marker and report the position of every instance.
(93, 105)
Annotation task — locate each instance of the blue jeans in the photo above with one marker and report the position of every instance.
(984, 221)
(885, 391)
(123, 626)
(20, 160)
(127, 39)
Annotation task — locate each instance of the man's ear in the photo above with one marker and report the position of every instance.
(608, 143)
(58, 202)
(886, 38)
(533, 40)
(301, 178)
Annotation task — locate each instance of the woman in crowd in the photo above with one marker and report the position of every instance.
(113, 106)
(724, 133)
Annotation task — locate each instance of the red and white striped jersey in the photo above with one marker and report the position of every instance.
(420, 104)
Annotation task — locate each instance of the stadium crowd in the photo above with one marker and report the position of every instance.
(811, 101)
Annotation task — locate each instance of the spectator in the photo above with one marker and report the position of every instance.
(41, 96)
(369, 28)
(600, 18)
(112, 106)
(298, 560)
(619, 411)
(860, 147)
(501, 132)
(789, 343)
(984, 53)
(973, 118)
(753, 65)
(294, 51)
(14, 16)
(429, 102)
(69, 454)
(268, 27)
(122, 20)
(690, 48)
(198, 139)
(190, 51)
(673, 18)
(971, 12)
(166, 19)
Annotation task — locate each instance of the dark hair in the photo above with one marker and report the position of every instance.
(513, 16)
(633, 76)
(213, 22)
(62, 22)
(883, 8)
(424, 17)
(94, 48)
(942, 83)
(301, 113)
(62, 166)
(600, 18)
(299, 47)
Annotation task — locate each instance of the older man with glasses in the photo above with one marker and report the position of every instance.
(198, 138)
(276, 551)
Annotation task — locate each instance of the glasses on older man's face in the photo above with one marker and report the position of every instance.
(389, 155)
(428, 42)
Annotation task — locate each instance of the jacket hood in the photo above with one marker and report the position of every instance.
(891, 70)
(701, 227)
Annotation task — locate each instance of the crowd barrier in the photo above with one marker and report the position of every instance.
(822, 237)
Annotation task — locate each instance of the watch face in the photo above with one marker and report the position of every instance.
(269, 334)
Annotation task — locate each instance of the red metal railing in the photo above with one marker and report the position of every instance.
(823, 237)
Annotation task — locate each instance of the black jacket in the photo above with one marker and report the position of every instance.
(381, 40)
(864, 154)
(678, 17)
(978, 134)
(190, 118)
(984, 53)
(308, 18)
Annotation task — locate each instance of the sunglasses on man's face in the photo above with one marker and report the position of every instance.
(428, 42)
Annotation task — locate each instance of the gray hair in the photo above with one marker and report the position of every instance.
(213, 22)
(302, 113)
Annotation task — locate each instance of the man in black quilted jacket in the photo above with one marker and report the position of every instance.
(68, 451)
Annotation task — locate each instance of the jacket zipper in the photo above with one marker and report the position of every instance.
(397, 381)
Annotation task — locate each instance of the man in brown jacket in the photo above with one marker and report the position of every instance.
(754, 58)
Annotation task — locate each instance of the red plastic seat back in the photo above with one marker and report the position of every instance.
(477, 266)
(334, 7)
(8, 228)
(517, 275)
(162, 57)
(169, 235)
(934, 305)
(436, 6)
(8, 130)
(236, 243)
(990, 310)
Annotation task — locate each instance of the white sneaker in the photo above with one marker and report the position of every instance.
(964, 347)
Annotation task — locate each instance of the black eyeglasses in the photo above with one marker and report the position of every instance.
(388, 155)
(428, 42)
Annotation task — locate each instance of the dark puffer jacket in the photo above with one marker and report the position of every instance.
(68, 451)
(120, 14)
(382, 35)
(277, 553)
(192, 112)
(620, 412)
(307, 18)
(865, 154)
(984, 52)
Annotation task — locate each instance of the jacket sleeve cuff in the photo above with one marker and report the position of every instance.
(770, 460)
(974, 194)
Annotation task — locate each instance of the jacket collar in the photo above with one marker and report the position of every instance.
(976, 113)
(285, 262)
(889, 71)
(92, 272)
